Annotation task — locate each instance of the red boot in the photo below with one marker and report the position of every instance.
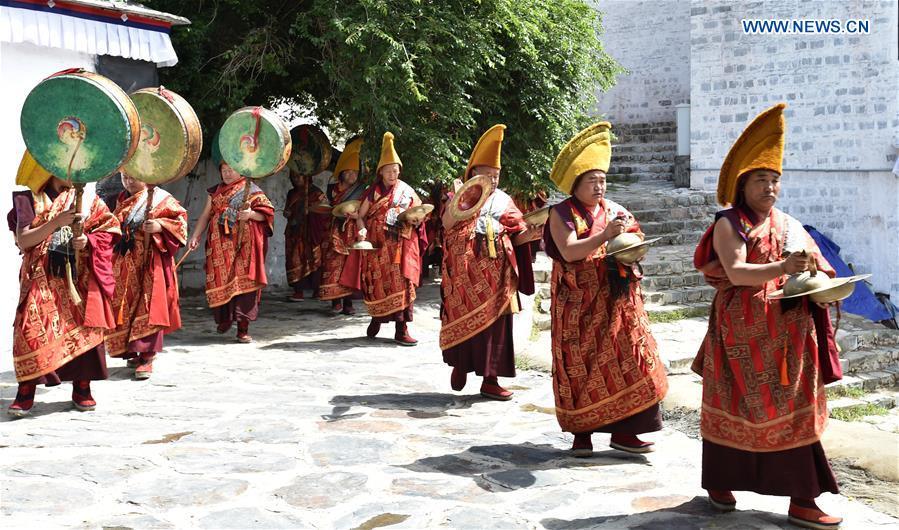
(223, 327)
(490, 389)
(806, 514)
(723, 501)
(336, 306)
(24, 400)
(243, 333)
(145, 367)
(629, 443)
(373, 329)
(81, 396)
(297, 296)
(402, 336)
(458, 379)
(582, 446)
(348, 307)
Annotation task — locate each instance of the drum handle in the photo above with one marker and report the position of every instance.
(77, 231)
(240, 224)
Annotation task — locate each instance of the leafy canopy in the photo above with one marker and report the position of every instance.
(437, 73)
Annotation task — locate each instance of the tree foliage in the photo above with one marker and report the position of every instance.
(437, 73)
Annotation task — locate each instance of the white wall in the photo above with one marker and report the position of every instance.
(651, 40)
(842, 93)
(22, 66)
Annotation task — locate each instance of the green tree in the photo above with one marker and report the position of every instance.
(436, 73)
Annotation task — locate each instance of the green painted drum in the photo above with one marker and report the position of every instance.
(255, 142)
(170, 137)
(310, 151)
(79, 126)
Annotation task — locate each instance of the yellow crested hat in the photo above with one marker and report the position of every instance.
(349, 158)
(388, 153)
(488, 150)
(760, 146)
(31, 173)
(589, 150)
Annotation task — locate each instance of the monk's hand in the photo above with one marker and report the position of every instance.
(353, 215)
(245, 215)
(193, 243)
(796, 262)
(362, 233)
(152, 227)
(614, 228)
(66, 218)
(80, 242)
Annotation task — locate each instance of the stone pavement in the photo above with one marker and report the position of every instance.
(314, 426)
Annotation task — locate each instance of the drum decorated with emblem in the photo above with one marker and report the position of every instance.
(255, 142)
(79, 126)
(310, 150)
(170, 137)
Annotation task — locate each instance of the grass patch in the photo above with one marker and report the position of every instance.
(523, 362)
(858, 412)
(837, 392)
(661, 317)
(535, 333)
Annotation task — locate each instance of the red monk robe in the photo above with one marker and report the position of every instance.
(235, 270)
(763, 406)
(607, 375)
(340, 269)
(54, 338)
(480, 293)
(304, 235)
(146, 295)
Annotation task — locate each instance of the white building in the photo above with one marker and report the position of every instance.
(121, 40)
(842, 91)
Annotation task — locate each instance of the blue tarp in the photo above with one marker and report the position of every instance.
(862, 302)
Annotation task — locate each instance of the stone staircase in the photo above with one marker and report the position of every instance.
(643, 151)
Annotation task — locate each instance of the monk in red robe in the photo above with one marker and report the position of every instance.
(146, 294)
(341, 281)
(390, 272)
(607, 376)
(763, 402)
(304, 234)
(240, 219)
(66, 286)
(486, 262)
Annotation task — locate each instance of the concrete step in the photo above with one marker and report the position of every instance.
(614, 176)
(642, 136)
(704, 212)
(885, 399)
(630, 168)
(646, 128)
(675, 226)
(644, 157)
(643, 201)
(869, 381)
(869, 360)
(686, 295)
(668, 148)
(853, 336)
(673, 281)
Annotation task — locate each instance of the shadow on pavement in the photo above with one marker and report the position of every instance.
(423, 404)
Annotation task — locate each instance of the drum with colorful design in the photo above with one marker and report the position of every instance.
(255, 142)
(310, 150)
(80, 126)
(170, 137)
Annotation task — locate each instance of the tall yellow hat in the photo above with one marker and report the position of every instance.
(488, 150)
(589, 150)
(760, 146)
(349, 158)
(31, 173)
(388, 153)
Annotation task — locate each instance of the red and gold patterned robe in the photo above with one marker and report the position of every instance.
(305, 231)
(229, 274)
(606, 367)
(50, 330)
(146, 294)
(762, 385)
(391, 272)
(478, 289)
(340, 268)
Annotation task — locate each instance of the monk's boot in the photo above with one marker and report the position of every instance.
(490, 389)
(373, 329)
(723, 501)
(583, 445)
(243, 333)
(458, 379)
(402, 336)
(223, 327)
(297, 296)
(133, 362)
(145, 367)
(806, 514)
(348, 307)
(336, 306)
(24, 400)
(81, 396)
(629, 443)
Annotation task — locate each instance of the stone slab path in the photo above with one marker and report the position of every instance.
(314, 426)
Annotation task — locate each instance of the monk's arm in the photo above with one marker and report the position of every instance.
(202, 222)
(360, 215)
(731, 252)
(572, 248)
(27, 237)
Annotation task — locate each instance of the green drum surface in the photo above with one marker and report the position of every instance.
(170, 137)
(255, 142)
(79, 126)
(310, 150)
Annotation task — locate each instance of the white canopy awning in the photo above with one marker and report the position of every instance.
(87, 33)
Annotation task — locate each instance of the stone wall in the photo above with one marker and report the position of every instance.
(652, 41)
(842, 93)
